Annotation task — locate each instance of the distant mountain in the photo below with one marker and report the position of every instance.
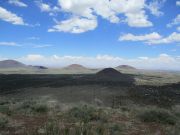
(11, 64)
(125, 67)
(38, 67)
(75, 67)
(17, 64)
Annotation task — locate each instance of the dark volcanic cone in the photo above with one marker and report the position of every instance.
(110, 74)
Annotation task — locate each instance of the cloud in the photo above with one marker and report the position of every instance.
(10, 17)
(33, 38)
(25, 45)
(138, 19)
(75, 25)
(13, 44)
(163, 61)
(42, 46)
(33, 57)
(175, 21)
(111, 10)
(152, 38)
(177, 3)
(172, 38)
(155, 6)
(178, 28)
(44, 7)
(36, 46)
(34, 25)
(17, 3)
(146, 37)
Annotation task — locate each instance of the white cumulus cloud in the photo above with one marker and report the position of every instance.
(46, 7)
(178, 28)
(17, 3)
(75, 25)
(111, 10)
(33, 57)
(155, 5)
(177, 3)
(152, 38)
(138, 19)
(10, 17)
(175, 21)
(146, 37)
(172, 38)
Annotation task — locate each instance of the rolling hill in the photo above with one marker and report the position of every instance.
(11, 64)
(125, 67)
(75, 67)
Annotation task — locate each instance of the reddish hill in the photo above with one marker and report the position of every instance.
(75, 67)
(11, 64)
(125, 67)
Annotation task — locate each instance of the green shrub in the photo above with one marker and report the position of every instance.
(115, 129)
(51, 128)
(4, 102)
(33, 107)
(159, 116)
(40, 108)
(3, 122)
(100, 129)
(5, 110)
(28, 104)
(86, 114)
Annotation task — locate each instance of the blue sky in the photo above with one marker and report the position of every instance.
(111, 32)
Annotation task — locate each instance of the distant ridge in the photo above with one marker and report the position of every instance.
(125, 67)
(11, 64)
(38, 67)
(75, 67)
(16, 64)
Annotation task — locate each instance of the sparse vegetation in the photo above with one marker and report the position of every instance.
(158, 115)
(66, 105)
(115, 129)
(3, 121)
(86, 114)
(31, 107)
(51, 128)
(40, 108)
(5, 109)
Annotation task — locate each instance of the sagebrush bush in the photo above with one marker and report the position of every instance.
(40, 108)
(28, 104)
(115, 129)
(86, 114)
(3, 121)
(34, 107)
(52, 128)
(5, 109)
(158, 115)
(4, 102)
